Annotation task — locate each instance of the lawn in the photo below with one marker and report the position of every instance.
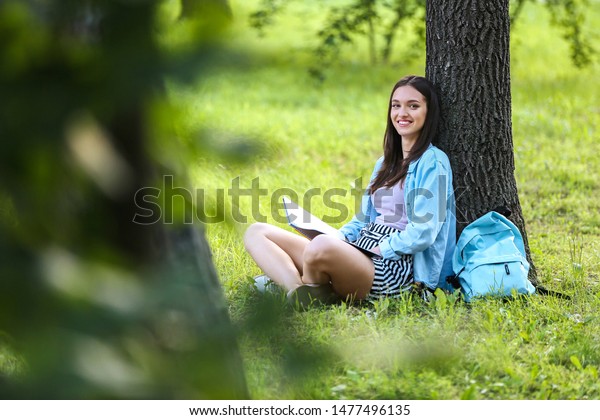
(327, 135)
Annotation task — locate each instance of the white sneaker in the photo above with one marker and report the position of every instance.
(264, 284)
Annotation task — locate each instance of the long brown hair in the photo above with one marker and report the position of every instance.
(395, 166)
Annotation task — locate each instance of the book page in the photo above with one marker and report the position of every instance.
(310, 225)
(300, 219)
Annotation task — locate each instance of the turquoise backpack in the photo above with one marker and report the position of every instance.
(489, 259)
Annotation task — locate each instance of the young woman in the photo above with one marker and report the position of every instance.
(407, 217)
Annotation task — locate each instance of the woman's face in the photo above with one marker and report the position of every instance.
(408, 112)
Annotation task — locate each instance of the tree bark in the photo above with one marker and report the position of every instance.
(468, 59)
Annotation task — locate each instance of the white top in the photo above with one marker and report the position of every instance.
(389, 203)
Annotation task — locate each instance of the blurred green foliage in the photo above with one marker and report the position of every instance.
(381, 22)
(93, 305)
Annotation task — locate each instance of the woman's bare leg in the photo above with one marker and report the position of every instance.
(279, 253)
(328, 259)
(291, 260)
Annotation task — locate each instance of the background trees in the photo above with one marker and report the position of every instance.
(383, 22)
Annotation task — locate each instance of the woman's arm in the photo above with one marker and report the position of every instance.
(426, 207)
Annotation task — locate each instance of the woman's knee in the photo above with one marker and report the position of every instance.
(319, 251)
(254, 233)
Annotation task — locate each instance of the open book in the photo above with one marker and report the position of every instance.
(310, 225)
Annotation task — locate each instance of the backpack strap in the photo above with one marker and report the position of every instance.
(454, 279)
(545, 292)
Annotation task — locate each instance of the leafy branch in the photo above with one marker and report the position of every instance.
(383, 19)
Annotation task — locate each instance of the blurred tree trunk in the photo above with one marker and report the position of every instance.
(83, 285)
(212, 367)
(468, 59)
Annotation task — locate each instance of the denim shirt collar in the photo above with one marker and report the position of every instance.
(412, 165)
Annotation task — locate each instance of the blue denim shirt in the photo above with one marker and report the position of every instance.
(430, 235)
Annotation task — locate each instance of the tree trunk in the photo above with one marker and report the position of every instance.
(468, 59)
(209, 366)
(212, 368)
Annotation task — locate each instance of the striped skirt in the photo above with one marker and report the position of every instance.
(392, 277)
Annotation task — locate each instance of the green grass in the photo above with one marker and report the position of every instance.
(326, 136)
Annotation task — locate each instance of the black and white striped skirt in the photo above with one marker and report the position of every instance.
(392, 277)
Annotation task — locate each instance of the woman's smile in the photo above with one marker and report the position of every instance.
(408, 112)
